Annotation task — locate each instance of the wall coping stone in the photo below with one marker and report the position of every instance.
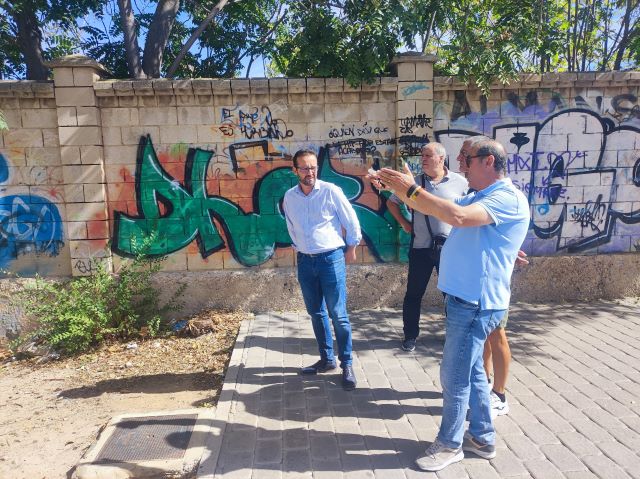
(104, 88)
(259, 86)
(182, 87)
(123, 88)
(388, 83)
(240, 86)
(282, 85)
(142, 87)
(221, 86)
(232, 86)
(373, 86)
(26, 88)
(297, 85)
(162, 86)
(315, 85)
(75, 61)
(334, 85)
(278, 85)
(413, 57)
(546, 80)
(201, 86)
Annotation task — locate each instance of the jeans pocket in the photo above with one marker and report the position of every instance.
(334, 257)
(464, 303)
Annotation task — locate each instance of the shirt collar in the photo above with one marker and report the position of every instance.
(502, 182)
(445, 177)
(316, 187)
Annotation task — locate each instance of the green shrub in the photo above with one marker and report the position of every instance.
(79, 314)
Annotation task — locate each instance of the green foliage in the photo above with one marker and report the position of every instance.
(81, 313)
(356, 42)
(485, 40)
(58, 25)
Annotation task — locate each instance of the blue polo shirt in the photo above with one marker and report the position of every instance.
(477, 262)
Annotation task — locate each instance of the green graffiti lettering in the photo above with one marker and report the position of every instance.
(177, 214)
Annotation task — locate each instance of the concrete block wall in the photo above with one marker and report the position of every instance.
(201, 166)
(574, 148)
(90, 168)
(32, 184)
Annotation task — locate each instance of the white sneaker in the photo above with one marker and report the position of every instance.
(437, 457)
(498, 408)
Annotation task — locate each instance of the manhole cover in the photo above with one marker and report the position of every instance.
(148, 438)
(154, 444)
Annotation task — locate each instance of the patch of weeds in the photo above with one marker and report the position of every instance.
(79, 314)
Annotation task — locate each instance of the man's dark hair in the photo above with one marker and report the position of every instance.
(492, 147)
(303, 152)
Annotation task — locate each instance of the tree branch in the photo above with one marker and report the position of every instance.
(132, 50)
(194, 36)
(158, 35)
(262, 39)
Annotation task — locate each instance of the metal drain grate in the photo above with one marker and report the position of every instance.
(148, 438)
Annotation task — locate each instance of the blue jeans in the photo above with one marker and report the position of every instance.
(462, 375)
(322, 278)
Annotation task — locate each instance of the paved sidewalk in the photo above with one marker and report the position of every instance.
(574, 393)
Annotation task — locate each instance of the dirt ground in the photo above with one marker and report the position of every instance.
(51, 413)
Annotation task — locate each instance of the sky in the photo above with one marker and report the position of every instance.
(148, 7)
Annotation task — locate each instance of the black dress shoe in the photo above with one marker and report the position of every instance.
(348, 378)
(319, 367)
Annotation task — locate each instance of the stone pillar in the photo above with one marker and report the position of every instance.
(414, 111)
(81, 150)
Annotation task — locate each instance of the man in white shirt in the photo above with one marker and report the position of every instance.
(316, 214)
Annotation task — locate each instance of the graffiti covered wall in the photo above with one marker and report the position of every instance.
(32, 238)
(574, 150)
(197, 169)
(203, 174)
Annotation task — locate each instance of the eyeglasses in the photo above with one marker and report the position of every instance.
(468, 158)
(306, 169)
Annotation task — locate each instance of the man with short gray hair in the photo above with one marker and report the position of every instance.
(428, 234)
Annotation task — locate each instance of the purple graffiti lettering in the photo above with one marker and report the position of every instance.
(591, 215)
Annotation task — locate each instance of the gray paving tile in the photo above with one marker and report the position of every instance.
(540, 434)
(578, 443)
(604, 467)
(480, 470)
(541, 469)
(562, 457)
(580, 475)
(622, 456)
(554, 422)
(455, 471)
(507, 464)
(523, 447)
(268, 451)
(573, 392)
(626, 436)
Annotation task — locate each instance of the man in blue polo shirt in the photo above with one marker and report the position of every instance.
(489, 226)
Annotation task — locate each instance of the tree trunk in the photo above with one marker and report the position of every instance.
(624, 41)
(569, 36)
(30, 41)
(158, 35)
(194, 36)
(128, 22)
(428, 33)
